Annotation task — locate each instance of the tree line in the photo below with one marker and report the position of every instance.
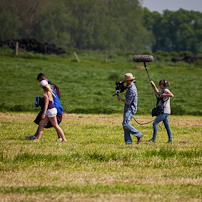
(111, 25)
(175, 30)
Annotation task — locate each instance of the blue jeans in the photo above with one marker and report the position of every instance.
(128, 129)
(162, 117)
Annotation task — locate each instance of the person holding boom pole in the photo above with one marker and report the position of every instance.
(164, 104)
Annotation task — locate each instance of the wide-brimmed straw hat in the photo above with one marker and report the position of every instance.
(43, 83)
(128, 76)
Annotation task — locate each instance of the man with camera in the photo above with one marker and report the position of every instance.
(40, 102)
(130, 109)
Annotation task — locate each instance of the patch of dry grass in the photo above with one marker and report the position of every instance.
(95, 164)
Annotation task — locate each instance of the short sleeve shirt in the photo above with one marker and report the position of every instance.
(166, 101)
(131, 97)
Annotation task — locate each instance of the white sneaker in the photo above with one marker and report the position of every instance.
(59, 140)
(32, 137)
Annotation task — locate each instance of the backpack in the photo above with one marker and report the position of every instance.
(158, 109)
(58, 91)
(53, 87)
(56, 98)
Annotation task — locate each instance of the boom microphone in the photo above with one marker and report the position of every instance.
(143, 58)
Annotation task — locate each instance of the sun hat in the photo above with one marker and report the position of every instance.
(128, 76)
(43, 83)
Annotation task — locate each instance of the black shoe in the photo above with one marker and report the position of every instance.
(150, 141)
(170, 142)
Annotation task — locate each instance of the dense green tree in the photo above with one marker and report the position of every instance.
(84, 24)
(127, 16)
(108, 25)
(9, 22)
(53, 25)
(86, 14)
(175, 31)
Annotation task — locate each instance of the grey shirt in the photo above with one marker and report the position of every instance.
(166, 102)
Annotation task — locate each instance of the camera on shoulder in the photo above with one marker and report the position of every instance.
(120, 86)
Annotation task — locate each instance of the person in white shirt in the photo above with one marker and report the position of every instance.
(164, 103)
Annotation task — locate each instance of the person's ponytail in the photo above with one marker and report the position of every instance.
(48, 88)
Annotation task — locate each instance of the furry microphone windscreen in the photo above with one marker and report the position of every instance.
(143, 58)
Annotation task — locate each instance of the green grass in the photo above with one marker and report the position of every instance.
(87, 87)
(95, 164)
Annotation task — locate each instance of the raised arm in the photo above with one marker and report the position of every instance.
(155, 88)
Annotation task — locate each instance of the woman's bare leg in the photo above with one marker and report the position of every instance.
(36, 134)
(41, 127)
(54, 123)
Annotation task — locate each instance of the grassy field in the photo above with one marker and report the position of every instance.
(95, 164)
(87, 87)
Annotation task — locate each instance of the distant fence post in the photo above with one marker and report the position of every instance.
(76, 56)
(16, 48)
(105, 56)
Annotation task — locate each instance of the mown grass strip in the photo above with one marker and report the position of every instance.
(164, 153)
(107, 156)
(190, 190)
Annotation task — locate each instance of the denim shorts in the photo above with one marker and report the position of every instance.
(51, 112)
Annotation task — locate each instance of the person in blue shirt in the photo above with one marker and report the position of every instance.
(130, 109)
